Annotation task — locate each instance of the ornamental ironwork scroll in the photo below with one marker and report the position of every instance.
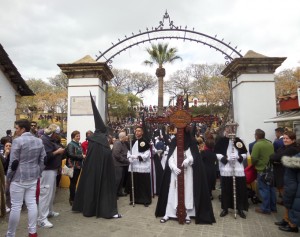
(163, 32)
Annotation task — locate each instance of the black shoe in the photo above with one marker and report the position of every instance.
(122, 194)
(281, 223)
(146, 205)
(241, 214)
(289, 229)
(224, 213)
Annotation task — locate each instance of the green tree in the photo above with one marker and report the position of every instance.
(122, 105)
(160, 54)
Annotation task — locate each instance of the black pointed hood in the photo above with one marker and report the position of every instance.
(99, 135)
(99, 124)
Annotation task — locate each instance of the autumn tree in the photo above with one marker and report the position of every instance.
(58, 104)
(287, 81)
(202, 84)
(49, 96)
(30, 105)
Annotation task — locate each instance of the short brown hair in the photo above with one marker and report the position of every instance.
(210, 143)
(23, 123)
(260, 134)
(290, 134)
(74, 133)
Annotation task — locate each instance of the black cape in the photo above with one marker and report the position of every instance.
(203, 207)
(223, 142)
(158, 171)
(210, 162)
(96, 192)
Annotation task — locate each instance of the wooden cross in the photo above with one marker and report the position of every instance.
(180, 118)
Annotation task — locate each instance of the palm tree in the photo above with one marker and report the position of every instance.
(160, 54)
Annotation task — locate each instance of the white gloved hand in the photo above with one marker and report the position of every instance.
(130, 159)
(176, 171)
(232, 157)
(185, 163)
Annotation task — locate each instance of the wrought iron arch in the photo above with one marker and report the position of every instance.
(156, 33)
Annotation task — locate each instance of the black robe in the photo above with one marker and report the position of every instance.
(158, 171)
(210, 162)
(203, 207)
(96, 192)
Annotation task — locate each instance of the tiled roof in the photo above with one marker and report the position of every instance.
(253, 54)
(9, 69)
(86, 59)
(287, 97)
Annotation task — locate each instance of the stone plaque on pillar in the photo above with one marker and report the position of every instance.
(84, 76)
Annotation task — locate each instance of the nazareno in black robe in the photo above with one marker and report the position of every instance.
(203, 206)
(96, 194)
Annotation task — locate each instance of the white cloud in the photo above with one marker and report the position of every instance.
(38, 35)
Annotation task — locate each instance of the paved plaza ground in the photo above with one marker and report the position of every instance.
(140, 221)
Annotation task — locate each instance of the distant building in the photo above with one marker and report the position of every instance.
(289, 113)
(12, 88)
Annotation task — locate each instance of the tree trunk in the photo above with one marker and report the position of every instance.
(160, 96)
(160, 73)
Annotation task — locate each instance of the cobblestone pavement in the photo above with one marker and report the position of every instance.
(140, 221)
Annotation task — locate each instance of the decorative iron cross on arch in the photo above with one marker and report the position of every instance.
(180, 118)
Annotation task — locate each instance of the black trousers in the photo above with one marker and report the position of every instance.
(120, 174)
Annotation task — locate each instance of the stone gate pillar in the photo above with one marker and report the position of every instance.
(253, 91)
(85, 76)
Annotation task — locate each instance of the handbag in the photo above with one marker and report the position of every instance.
(267, 175)
(250, 174)
(67, 171)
